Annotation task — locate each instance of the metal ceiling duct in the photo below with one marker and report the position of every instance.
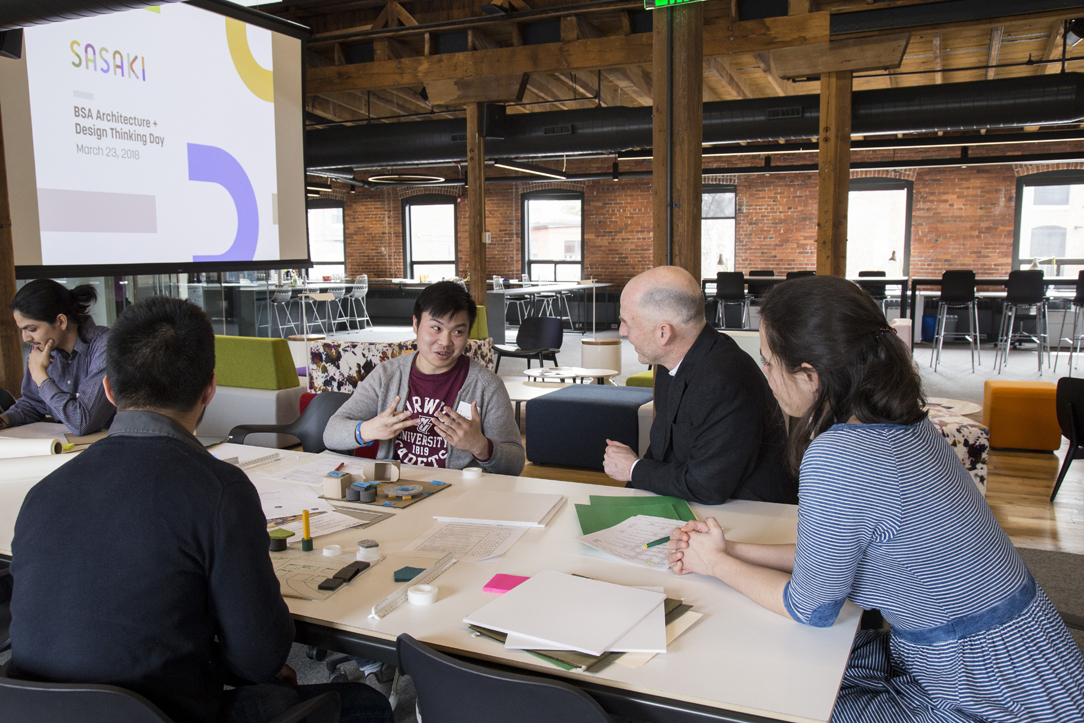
(1013, 102)
(22, 13)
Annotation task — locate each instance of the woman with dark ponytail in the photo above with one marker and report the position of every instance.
(889, 518)
(64, 373)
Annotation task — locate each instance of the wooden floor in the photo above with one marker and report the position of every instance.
(1018, 491)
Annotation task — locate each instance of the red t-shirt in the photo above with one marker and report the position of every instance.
(427, 394)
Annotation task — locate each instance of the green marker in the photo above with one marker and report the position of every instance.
(656, 543)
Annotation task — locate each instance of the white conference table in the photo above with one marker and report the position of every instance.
(739, 662)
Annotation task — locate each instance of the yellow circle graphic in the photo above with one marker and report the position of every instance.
(256, 78)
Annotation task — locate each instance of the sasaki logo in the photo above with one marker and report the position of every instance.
(108, 61)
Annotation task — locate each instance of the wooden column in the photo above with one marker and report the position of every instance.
(476, 202)
(11, 354)
(835, 173)
(677, 169)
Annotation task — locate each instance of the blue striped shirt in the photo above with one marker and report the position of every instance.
(73, 393)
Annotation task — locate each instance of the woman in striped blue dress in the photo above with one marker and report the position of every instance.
(889, 518)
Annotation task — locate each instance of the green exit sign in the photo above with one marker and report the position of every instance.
(656, 4)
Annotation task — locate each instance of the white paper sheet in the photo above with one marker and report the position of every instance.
(565, 610)
(36, 430)
(470, 542)
(648, 636)
(321, 523)
(626, 541)
(290, 502)
(493, 507)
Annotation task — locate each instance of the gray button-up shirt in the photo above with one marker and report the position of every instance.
(73, 393)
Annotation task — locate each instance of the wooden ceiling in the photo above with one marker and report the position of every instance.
(372, 59)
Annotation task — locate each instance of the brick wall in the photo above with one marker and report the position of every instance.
(961, 218)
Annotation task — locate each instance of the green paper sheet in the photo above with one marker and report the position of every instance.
(602, 517)
(680, 505)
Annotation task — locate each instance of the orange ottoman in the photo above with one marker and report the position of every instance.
(1021, 415)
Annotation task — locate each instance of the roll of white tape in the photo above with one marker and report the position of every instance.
(333, 550)
(422, 594)
(472, 472)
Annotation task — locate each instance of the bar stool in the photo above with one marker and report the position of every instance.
(957, 291)
(523, 304)
(1077, 308)
(730, 289)
(281, 299)
(312, 299)
(355, 299)
(1026, 291)
(335, 306)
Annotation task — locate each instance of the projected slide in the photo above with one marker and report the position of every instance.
(154, 138)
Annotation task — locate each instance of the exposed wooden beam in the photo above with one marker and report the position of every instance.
(834, 175)
(546, 89)
(995, 50)
(330, 110)
(11, 350)
(591, 53)
(633, 81)
(476, 202)
(729, 76)
(781, 86)
(340, 58)
(799, 7)
(585, 83)
(391, 50)
(479, 89)
(880, 53)
(1053, 49)
(477, 40)
(939, 75)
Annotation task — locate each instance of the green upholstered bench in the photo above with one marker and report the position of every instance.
(641, 379)
(257, 384)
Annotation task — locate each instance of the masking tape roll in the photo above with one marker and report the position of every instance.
(472, 472)
(422, 594)
(333, 550)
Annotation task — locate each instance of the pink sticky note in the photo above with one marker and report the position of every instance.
(500, 584)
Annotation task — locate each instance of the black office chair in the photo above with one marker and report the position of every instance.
(730, 289)
(757, 289)
(1070, 405)
(957, 291)
(453, 691)
(1074, 340)
(799, 274)
(24, 701)
(1025, 291)
(876, 289)
(539, 337)
(6, 400)
(308, 428)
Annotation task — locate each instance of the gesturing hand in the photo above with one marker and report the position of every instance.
(38, 362)
(697, 547)
(463, 433)
(387, 424)
(618, 461)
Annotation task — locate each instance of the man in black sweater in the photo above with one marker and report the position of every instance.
(143, 562)
(718, 432)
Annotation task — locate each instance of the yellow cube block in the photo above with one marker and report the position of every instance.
(1021, 415)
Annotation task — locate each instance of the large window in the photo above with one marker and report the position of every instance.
(429, 234)
(1050, 223)
(326, 239)
(553, 235)
(717, 224)
(879, 226)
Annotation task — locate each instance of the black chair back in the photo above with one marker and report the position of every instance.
(730, 286)
(878, 290)
(957, 287)
(1025, 287)
(24, 701)
(1069, 402)
(6, 400)
(799, 274)
(1079, 300)
(540, 332)
(308, 428)
(453, 691)
(759, 289)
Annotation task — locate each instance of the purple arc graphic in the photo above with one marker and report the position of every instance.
(211, 164)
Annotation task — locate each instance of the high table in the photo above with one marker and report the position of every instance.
(901, 281)
(739, 662)
(990, 281)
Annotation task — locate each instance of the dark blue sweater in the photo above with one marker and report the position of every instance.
(143, 563)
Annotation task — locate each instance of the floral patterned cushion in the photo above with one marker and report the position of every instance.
(339, 366)
(969, 439)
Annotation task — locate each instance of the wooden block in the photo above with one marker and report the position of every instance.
(335, 484)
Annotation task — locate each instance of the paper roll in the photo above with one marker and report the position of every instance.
(422, 594)
(11, 448)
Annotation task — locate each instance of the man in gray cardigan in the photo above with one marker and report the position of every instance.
(435, 407)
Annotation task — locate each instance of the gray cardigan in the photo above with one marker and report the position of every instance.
(392, 378)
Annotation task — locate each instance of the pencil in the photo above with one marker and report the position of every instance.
(656, 543)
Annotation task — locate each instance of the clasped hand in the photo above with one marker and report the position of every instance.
(697, 547)
(463, 433)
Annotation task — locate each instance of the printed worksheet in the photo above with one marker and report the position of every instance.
(312, 474)
(470, 542)
(300, 573)
(626, 541)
